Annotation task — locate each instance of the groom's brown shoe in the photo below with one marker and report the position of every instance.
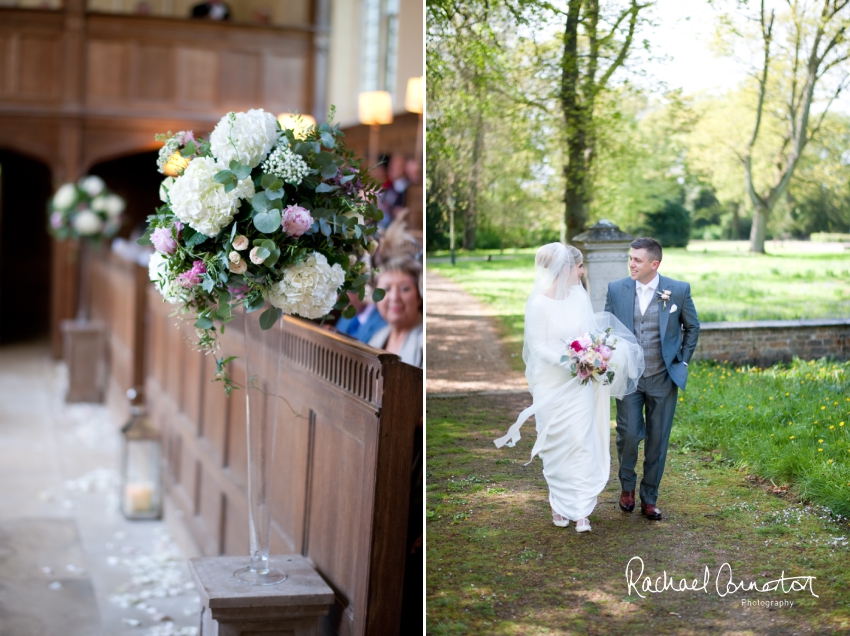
(650, 511)
(627, 500)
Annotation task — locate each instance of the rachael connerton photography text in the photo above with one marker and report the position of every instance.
(724, 582)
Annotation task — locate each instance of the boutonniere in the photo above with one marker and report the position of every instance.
(663, 297)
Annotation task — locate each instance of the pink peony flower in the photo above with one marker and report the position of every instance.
(583, 373)
(163, 241)
(193, 276)
(296, 220)
(576, 345)
(605, 352)
(240, 242)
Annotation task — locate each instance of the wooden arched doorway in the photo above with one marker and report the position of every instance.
(25, 187)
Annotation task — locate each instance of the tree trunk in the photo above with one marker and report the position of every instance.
(470, 218)
(575, 213)
(736, 222)
(759, 229)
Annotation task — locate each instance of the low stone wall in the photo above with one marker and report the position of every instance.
(766, 342)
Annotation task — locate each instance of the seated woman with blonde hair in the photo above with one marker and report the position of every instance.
(401, 307)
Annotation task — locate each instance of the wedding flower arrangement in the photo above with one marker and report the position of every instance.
(589, 356)
(85, 210)
(260, 213)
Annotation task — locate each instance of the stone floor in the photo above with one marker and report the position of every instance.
(70, 564)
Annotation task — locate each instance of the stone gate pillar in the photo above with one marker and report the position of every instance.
(606, 256)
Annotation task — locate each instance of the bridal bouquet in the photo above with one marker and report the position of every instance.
(86, 209)
(589, 356)
(260, 213)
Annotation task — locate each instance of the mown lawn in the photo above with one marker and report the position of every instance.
(727, 283)
(497, 565)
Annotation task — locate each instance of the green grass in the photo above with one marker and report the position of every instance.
(787, 423)
(497, 566)
(727, 283)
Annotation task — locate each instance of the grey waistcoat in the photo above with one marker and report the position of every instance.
(648, 336)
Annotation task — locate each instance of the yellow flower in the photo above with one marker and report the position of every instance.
(835, 404)
(787, 394)
(822, 408)
(750, 407)
(820, 441)
(681, 399)
(831, 427)
(841, 423)
(721, 406)
(820, 450)
(790, 423)
(828, 461)
(770, 398)
(771, 434)
(792, 437)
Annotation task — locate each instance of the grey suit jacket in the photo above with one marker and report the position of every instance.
(679, 328)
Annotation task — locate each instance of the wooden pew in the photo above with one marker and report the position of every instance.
(342, 460)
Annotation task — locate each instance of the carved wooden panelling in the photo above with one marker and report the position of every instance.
(197, 77)
(342, 456)
(106, 71)
(282, 74)
(240, 80)
(38, 67)
(152, 72)
(7, 64)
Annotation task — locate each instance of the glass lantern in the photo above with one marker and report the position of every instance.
(141, 491)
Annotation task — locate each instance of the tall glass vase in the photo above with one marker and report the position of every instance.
(262, 396)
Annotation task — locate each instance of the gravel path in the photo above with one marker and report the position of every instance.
(463, 351)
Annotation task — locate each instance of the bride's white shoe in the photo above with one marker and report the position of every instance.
(558, 520)
(583, 525)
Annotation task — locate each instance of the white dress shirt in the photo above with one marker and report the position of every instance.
(646, 293)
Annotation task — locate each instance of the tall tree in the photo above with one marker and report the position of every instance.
(812, 37)
(595, 44)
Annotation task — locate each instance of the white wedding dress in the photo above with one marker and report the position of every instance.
(572, 419)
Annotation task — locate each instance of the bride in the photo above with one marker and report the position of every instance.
(572, 416)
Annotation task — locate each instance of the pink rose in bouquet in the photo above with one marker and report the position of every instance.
(589, 355)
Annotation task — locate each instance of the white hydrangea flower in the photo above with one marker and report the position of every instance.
(158, 273)
(200, 202)
(164, 187)
(308, 289)
(93, 185)
(114, 205)
(65, 196)
(87, 223)
(284, 163)
(245, 137)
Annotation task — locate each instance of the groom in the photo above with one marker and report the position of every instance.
(661, 314)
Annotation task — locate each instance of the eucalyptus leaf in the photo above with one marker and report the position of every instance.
(274, 195)
(224, 176)
(378, 294)
(229, 186)
(145, 239)
(303, 148)
(254, 304)
(267, 222)
(277, 184)
(188, 149)
(267, 180)
(233, 164)
(325, 127)
(224, 297)
(328, 140)
(329, 172)
(324, 159)
(196, 239)
(208, 284)
(223, 277)
(263, 252)
(243, 172)
(348, 177)
(360, 280)
(260, 202)
(268, 318)
(349, 312)
(324, 227)
(325, 187)
(204, 323)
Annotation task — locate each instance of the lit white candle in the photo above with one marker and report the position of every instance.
(138, 497)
